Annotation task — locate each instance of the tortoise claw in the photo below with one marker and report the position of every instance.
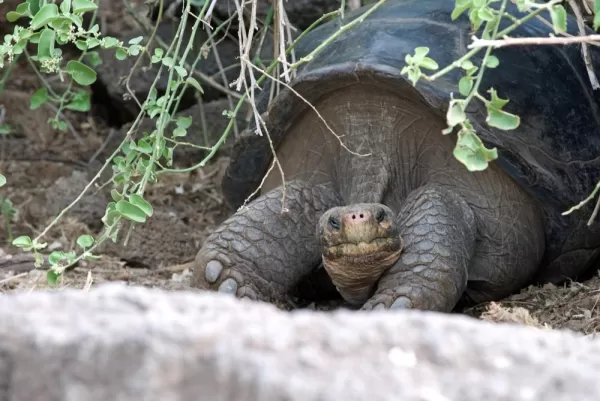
(402, 303)
(388, 300)
(229, 286)
(213, 271)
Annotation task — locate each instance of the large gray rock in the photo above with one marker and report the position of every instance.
(120, 343)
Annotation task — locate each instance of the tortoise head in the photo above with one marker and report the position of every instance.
(359, 243)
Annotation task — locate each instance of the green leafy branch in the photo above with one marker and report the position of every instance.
(469, 149)
(51, 25)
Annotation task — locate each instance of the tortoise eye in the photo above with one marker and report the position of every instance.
(334, 223)
(380, 215)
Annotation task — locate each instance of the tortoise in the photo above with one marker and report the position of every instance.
(376, 202)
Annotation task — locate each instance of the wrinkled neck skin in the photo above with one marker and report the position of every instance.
(357, 270)
(391, 147)
(366, 179)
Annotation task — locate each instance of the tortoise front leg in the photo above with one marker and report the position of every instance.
(261, 252)
(438, 228)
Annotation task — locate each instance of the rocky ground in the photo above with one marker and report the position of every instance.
(47, 170)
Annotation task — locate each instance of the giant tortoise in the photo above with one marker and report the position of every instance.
(373, 193)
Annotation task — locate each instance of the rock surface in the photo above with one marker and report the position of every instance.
(132, 343)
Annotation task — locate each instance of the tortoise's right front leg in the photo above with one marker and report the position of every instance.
(261, 252)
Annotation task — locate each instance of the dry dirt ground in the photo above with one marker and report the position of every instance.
(46, 170)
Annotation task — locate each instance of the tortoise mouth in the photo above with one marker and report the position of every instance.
(362, 248)
(355, 268)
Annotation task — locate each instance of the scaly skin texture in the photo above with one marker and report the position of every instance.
(439, 231)
(359, 243)
(261, 253)
(476, 236)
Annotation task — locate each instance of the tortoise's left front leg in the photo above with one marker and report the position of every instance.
(438, 229)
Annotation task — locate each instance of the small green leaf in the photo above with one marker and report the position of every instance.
(179, 132)
(109, 42)
(492, 61)
(65, 6)
(116, 195)
(140, 202)
(496, 102)
(80, 101)
(460, 7)
(192, 81)
(92, 42)
(85, 241)
(81, 73)
(46, 14)
(465, 85)
(184, 122)
(81, 45)
(559, 18)
(596, 21)
(456, 113)
(13, 16)
(22, 241)
(5, 129)
(131, 211)
(55, 257)
(485, 14)
(181, 71)
(142, 146)
(420, 53)
(134, 50)
(471, 152)
(31, 6)
(429, 64)
(502, 120)
(110, 217)
(136, 41)
(61, 24)
(52, 277)
(467, 65)
(2, 180)
(46, 44)
(82, 6)
(38, 98)
(496, 116)
(121, 54)
(167, 62)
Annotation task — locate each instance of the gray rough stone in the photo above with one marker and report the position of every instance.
(125, 343)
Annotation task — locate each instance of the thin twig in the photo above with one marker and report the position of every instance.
(225, 82)
(552, 40)
(103, 146)
(209, 12)
(339, 137)
(584, 47)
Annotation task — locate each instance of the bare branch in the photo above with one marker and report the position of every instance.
(584, 47)
(551, 40)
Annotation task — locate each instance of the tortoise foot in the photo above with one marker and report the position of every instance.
(224, 275)
(262, 251)
(388, 301)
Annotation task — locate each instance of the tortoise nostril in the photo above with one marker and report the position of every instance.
(361, 216)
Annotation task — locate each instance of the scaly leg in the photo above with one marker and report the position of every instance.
(438, 228)
(262, 253)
